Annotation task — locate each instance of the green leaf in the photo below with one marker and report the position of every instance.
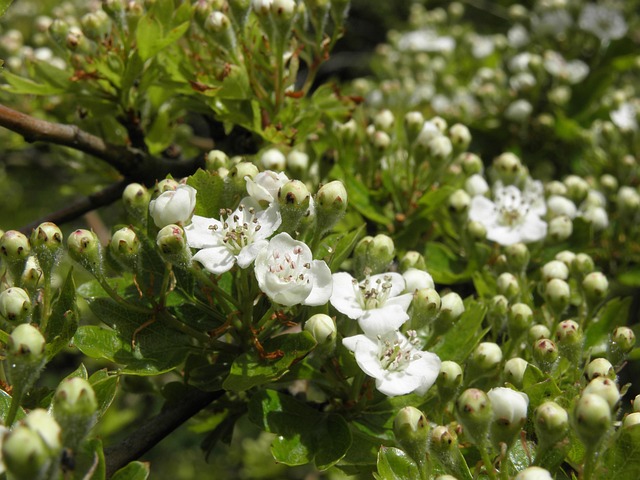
(303, 433)
(26, 86)
(133, 471)
(614, 313)
(444, 264)
(209, 198)
(336, 248)
(151, 36)
(630, 278)
(459, 341)
(539, 387)
(395, 464)
(89, 461)
(4, 5)
(105, 387)
(250, 369)
(5, 403)
(63, 322)
(622, 460)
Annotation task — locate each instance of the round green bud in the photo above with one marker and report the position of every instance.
(628, 202)
(555, 188)
(14, 246)
(412, 259)
(509, 414)
(95, 25)
(545, 354)
(449, 380)
(460, 136)
(15, 304)
(74, 407)
(471, 164)
(566, 257)
(273, 159)
(46, 427)
(413, 122)
(347, 131)
(217, 22)
(538, 331)
(609, 183)
(631, 420)
(473, 409)
(451, 308)
(577, 188)
(125, 244)
(498, 306)
(136, 200)
(534, 473)
(26, 342)
(551, 423)
(519, 319)
(166, 185)
(624, 339)
(592, 419)
(600, 367)
(459, 202)
(384, 120)
(216, 159)
(569, 332)
(424, 307)
(411, 430)
(84, 247)
(381, 140)
(582, 265)
(59, 29)
(47, 236)
(32, 273)
(24, 454)
(517, 256)
(298, 161)
(322, 328)
(415, 279)
(486, 357)
(607, 389)
(554, 269)
(171, 240)
(558, 295)
(513, 371)
(595, 286)
(331, 204)
(295, 194)
(507, 167)
(507, 285)
(477, 230)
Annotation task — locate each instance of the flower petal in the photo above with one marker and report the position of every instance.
(248, 254)
(199, 235)
(344, 298)
(383, 320)
(216, 260)
(322, 284)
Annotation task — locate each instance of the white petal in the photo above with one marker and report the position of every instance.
(343, 298)
(397, 383)
(533, 229)
(248, 254)
(504, 235)
(428, 368)
(383, 320)
(199, 235)
(215, 259)
(322, 284)
(403, 301)
(482, 210)
(396, 280)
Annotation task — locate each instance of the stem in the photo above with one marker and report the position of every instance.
(121, 301)
(488, 464)
(16, 399)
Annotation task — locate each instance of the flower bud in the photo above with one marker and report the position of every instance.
(347, 131)
(551, 423)
(592, 419)
(631, 420)
(135, 199)
(173, 206)
(517, 256)
(381, 140)
(519, 319)
(509, 414)
(595, 286)
(597, 217)
(95, 25)
(476, 185)
(331, 205)
(498, 309)
(298, 162)
(217, 22)
(577, 188)
(440, 147)
(484, 361)
(539, 331)
(46, 427)
(545, 354)
(534, 473)
(47, 237)
(459, 202)
(566, 257)
(507, 285)
(513, 371)
(215, 159)
(607, 389)
(443, 445)
(415, 279)
(294, 198)
(449, 380)
(14, 247)
(124, 246)
(84, 247)
(570, 338)
(477, 230)
(451, 308)
(412, 259)
(239, 9)
(424, 307)
(473, 409)
(624, 339)
(600, 367)
(173, 246)
(322, 328)
(411, 430)
(26, 342)
(273, 159)
(74, 407)
(413, 122)
(507, 168)
(25, 455)
(554, 269)
(384, 120)
(15, 304)
(557, 295)
(32, 274)
(471, 163)
(582, 265)
(628, 202)
(373, 255)
(460, 136)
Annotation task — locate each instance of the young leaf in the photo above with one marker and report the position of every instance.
(133, 471)
(63, 323)
(395, 464)
(209, 186)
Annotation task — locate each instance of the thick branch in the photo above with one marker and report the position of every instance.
(155, 429)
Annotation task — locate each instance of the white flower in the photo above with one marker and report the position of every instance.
(481, 46)
(573, 71)
(534, 473)
(554, 22)
(395, 362)
(265, 186)
(605, 23)
(509, 407)
(559, 205)
(375, 302)
(416, 279)
(625, 117)
(518, 36)
(520, 62)
(235, 239)
(513, 215)
(425, 41)
(288, 274)
(173, 206)
(518, 110)
(596, 216)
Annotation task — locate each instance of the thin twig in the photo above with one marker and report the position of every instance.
(155, 429)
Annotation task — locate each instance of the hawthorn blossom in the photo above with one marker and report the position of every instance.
(426, 41)
(236, 238)
(514, 215)
(396, 363)
(173, 206)
(288, 275)
(625, 117)
(573, 71)
(376, 302)
(604, 22)
(265, 186)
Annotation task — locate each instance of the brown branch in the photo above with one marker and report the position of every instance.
(155, 429)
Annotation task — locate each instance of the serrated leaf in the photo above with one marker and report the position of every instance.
(63, 322)
(133, 471)
(538, 386)
(105, 387)
(395, 464)
(29, 87)
(460, 340)
(151, 36)
(622, 460)
(444, 264)
(303, 434)
(209, 198)
(4, 5)
(250, 369)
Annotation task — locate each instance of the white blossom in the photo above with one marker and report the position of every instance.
(553, 22)
(426, 41)
(625, 117)
(514, 215)
(604, 22)
(288, 274)
(398, 366)
(559, 205)
(518, 36)
(265, 186)
(476, 185)
(173, 206)
(236, 238)
(376, 302)
(509, 407)
(519, 110)
(573, 71)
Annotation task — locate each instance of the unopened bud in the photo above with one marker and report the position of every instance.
(294, 199)
(322, 327)
(424, 307)
(551, 423)
(570, 339)
(560, 228)
(607, 389)
(477, 230)
(74, 406)
(14, 247)
(519, 319)
(381, 140)
(171, 240)
(600, 367)
(534, 473)
(538, 332)
(507, 167)
(440, 147)
(384, 120)
(621, 343)
(373, 255)
(460, 136)
(26, 342)
(413, 122)
(96, 25)
(513, 371)
(47, 237)
(124, 245)
(173, 206)
(509, 414)
(507, 285)
(631, 420)
(449, 380)
(273, 159)
(517, 256)
(471, 164)
(554, 269)
(558, 295)
(331, 204)
(473, 409)
(25, 455)
(459, 202)
(577, 188)
(545, 354)
(595, 286)
(592, 419)
(15, 304)
(411, 430)
(566, 257)
(415, 279)
(628, 202)
(484, 360)
(451, 308)
(412, 259)
(84, 247)
(216, 159)
(298, 161)
(136, 201)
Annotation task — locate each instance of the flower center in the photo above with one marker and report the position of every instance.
(511, 206)
(396, 354)
(373, 295)
(289, 267)
(238, 229)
